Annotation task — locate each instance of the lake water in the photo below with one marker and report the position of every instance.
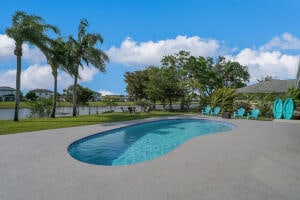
(83, 110)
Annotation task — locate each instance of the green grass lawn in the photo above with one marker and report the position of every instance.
(35, 124)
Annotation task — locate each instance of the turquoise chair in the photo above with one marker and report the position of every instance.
(239, 113)
(254, 114)
(206, 110)
(216, 111)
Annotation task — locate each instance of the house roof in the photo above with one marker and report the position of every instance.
(41, 90)
(272, 86)
(6, 88)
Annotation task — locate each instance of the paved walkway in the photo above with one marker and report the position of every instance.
(257, 160)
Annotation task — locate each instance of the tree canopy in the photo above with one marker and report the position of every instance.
(182, 76)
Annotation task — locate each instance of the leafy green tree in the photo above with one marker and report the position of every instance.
(26, 28)
(41, 108)
(154, 90)
(180, 64)
(136, 83)
(31, 96)
(294, 93)
(83, 94)
(168, 84)
(203, 75)
(84, 50)
(231, 74)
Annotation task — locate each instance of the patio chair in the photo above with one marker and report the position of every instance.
(206, 110)
(254, 114)
(216, 111)
(239, 113)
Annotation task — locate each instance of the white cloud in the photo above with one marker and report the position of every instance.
(7, 46)
(87, 74)
(105, 92)
(40, 76)
(284, 42)
(148, 53)
(33, 54)
(30, 53)
(261, 63)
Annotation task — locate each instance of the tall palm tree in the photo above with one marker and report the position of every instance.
(55, 58)
(26, 28)
(84, 50)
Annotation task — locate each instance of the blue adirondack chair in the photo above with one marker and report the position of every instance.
(239, 113)
(216, 111)
(206, 110)
(254, 114)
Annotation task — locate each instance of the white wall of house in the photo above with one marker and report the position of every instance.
(43, 95)
(6, 92)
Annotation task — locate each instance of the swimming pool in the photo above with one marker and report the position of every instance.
(141, 142)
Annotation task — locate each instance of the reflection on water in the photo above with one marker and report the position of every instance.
(64, 111)
(83, 110)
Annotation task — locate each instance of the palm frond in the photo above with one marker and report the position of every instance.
(82, 28)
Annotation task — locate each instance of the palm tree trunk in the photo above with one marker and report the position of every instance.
(170, 104)
(74, 96)
(54, 95)
(18, 53)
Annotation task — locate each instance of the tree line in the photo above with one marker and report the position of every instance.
(183, 77)
(67, 54)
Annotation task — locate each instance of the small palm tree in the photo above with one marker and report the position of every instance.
(55, 58)
(83, 50)
(26, 28)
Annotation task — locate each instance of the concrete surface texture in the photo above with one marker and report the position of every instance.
(256, 160)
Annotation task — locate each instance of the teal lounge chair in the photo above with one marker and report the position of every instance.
(216, 111)
(254, 114)
(206, 110)
(239, 113)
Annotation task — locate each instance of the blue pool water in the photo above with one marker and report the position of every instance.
(141, 142)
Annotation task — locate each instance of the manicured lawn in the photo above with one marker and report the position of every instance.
(12, 105)
(35, 124)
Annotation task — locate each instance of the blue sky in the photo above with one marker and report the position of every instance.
(262, 34)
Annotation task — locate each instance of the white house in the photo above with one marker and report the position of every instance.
(7, 93)
(96, 96)
(43, 93)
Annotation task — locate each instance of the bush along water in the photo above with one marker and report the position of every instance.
(41, 108)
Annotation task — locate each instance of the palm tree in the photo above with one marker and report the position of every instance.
(83, 50)
(55, 58)
(26, 28)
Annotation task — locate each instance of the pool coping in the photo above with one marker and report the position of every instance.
(110, 131)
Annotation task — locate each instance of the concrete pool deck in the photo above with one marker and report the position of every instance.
(256, 160)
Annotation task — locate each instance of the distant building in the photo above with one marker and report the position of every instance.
(96, 96)
(43, 93)
(119, 98)
(7, 93)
